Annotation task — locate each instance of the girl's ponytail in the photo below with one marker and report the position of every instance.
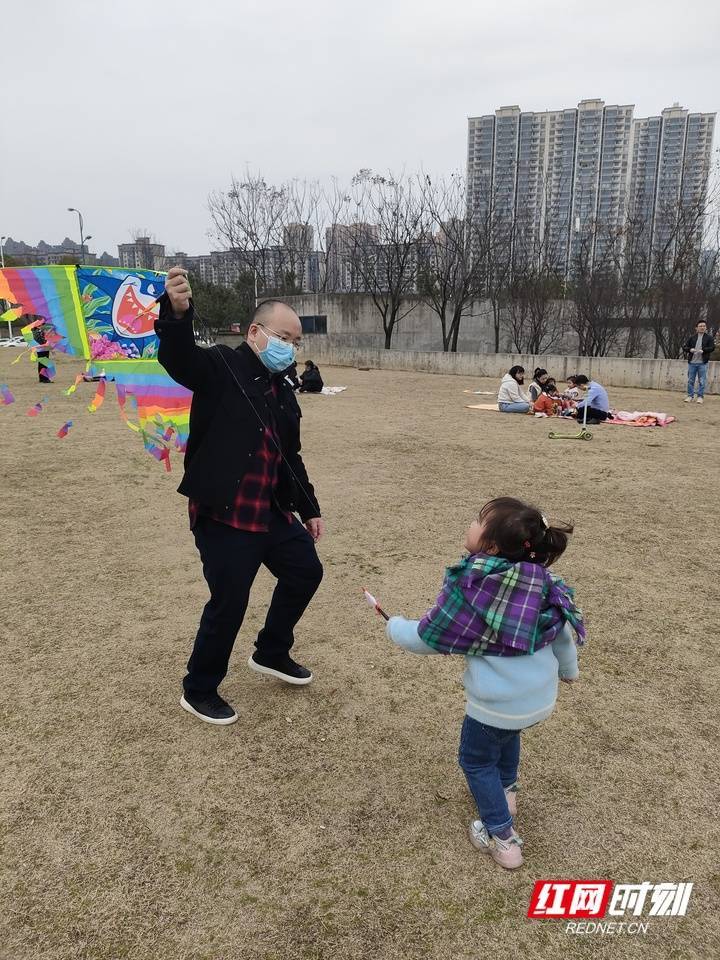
(552, 544)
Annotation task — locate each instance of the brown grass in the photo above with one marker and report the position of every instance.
(329, 823)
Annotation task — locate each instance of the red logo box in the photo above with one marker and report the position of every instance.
(569, 899)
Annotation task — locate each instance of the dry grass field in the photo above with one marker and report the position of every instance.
(329, 823)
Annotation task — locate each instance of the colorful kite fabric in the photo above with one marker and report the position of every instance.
(11, 315)
(105, 315)
(97, 400)
(52, 294)
(37, 408)
(162, 407)
(6, 397)
(119, 310)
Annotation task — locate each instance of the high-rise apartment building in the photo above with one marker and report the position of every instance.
(342, 242)
(142, 254)
(554, 175)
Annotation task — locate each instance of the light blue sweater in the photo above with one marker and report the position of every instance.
(506, 692)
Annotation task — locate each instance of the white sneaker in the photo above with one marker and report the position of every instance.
(508, 853)
(699, 400)
(688, 400)
(479, 837)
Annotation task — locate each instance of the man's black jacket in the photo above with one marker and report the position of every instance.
(708, 345)
(232, 404)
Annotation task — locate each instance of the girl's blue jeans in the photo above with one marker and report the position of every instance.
(489, 758)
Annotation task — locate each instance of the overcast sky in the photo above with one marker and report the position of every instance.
(134, 111)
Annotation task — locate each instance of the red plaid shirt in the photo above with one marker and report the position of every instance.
(253, 500)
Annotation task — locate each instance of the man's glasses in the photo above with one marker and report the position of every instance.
(298, 344)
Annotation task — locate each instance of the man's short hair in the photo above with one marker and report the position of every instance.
(264, 308)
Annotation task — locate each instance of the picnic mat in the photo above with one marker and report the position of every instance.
(482, 406)
(640, 418)
(481, 393)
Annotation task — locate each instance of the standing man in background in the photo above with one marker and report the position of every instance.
(697, 349)
(245, 480)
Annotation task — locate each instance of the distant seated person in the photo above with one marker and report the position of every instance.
(540, 378)
(596, 401)
(511, 396)
(549, 402)
(311, 381)
(291, 376)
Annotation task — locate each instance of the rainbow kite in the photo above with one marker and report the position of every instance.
(50, 293)
(105, 315)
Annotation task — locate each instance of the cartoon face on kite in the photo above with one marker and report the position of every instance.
(134, 310)
(119, 311)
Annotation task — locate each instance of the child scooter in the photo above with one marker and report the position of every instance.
(584, 433)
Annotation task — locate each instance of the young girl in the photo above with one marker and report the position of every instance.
(572, 391)
(548, 403)
(514, 621)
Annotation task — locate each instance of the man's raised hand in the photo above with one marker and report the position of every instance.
(178, 290)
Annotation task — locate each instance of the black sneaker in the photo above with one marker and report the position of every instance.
(284, 668)
(209, 707)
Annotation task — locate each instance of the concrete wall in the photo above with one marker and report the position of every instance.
(354, 321)
(610, 371)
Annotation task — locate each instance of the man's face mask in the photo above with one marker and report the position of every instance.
(277, 355)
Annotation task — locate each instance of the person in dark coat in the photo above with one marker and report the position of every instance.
(245, 481)
(697, 349)
(291, 376)
(311, 381)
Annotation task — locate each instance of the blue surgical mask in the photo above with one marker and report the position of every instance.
(277, 355)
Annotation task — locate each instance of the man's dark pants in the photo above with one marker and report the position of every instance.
(231, 559)
(593, 413)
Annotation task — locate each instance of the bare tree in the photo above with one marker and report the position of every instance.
(383, 244)
(448, 272)
(630, 255)
(535, 316)
(492, 240)
(249, 219)
(594, 288)
(681, 284)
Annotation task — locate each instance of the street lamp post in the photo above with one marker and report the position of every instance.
(82, 241)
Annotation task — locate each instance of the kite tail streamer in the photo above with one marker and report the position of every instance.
(98, 399)
(37, 407)
(73, 387)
